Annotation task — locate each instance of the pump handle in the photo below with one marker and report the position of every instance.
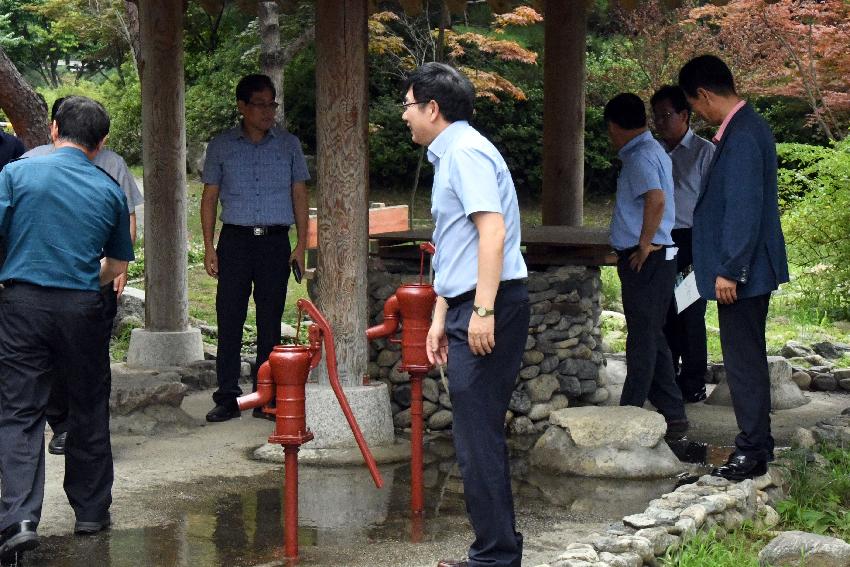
(320, 323)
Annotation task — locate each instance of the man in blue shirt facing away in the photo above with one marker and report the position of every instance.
(644, 214)
(691, 156)
(480, 322)
(258, 172)
(67, 228)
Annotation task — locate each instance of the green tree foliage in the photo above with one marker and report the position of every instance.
(816, 180)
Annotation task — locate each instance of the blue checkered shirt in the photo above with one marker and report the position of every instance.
(255, 180)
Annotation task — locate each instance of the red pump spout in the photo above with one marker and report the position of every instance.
(327, 335)
(264, 393)
(390, 324)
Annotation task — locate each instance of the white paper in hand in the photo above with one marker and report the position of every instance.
(686, 293)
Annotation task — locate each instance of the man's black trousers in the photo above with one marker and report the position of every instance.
(649, 366)
(57, 406)
(742, 327)
(685, 331)
(480, 389)
(41, 330)
(247, 262)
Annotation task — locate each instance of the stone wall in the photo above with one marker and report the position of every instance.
(560, 366)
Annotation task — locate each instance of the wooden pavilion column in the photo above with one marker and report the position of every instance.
(164, 158)
(343, 178)
(563, 113)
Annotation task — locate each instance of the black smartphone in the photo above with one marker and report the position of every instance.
(296, 271)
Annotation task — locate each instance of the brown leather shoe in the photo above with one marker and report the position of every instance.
(452, 563)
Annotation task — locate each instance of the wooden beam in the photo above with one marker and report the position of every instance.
(343, 178)
(164, 159)
(563, 113)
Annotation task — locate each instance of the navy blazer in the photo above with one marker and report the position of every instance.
(737, 233)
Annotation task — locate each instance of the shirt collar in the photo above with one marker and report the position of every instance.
(239, 133)
(634, 142)
(685, 142)
(444, 139)
(722, 130)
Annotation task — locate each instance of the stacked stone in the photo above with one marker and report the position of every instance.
(710, 503)
(560, 366)
(814, 368)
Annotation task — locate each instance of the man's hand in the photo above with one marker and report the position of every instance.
(298, 256)
(481, 334)
(639, 256)
(119, 283)
(211, 261)
(726, 290)
(437, 344)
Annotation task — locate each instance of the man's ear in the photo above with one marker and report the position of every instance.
(704, 94)
(434, 109)
(102, 143)
(54, 131)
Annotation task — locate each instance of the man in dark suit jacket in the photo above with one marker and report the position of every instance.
(739, 251)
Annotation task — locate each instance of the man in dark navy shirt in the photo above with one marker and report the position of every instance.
(67, 228)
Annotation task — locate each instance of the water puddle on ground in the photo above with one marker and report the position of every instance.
(344, 519)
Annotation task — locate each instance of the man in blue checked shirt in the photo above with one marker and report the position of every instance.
(258, 172)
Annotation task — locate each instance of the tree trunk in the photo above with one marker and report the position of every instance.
(271, 62)
(25, 109)
(164, 159)
(343, 178)
(563, 113)
(130, 29)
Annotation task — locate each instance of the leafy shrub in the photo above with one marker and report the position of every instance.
(124, 103)
(816, 225)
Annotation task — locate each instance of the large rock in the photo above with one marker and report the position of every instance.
(541, 388)
(136, 391)
(833, 351)
(794, 349)
(796, 548)
(607, 442)
(784, 393)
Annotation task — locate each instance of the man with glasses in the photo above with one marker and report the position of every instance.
(258, 172)
(480, 322)
(691, 156)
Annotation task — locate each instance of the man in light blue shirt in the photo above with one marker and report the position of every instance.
(258, 173)
(480, 323)
(691, 156)
(640, 233)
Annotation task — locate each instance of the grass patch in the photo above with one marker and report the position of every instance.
(738, 549)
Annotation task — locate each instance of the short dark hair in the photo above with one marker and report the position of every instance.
(707, 72)
(675, 95)
(82, 121)
(445, 85)
(55, 108)
(256, 83)
(627, 111)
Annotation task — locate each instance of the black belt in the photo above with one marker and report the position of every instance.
(469, 295)
(257, 230)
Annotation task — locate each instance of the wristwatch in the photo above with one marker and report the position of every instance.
(482, 311)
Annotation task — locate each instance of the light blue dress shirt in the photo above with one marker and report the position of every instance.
(691, 161)
(470, 176)
(255, 180)
(646, 166)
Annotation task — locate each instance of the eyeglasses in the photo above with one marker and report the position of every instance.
(663, 117)
(404, 105)
(265, 105)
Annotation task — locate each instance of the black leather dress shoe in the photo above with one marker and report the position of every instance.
(260, 414)
(223, 413)
(91, 528)
(57, 444)
(695, 397)
(740, 467)
(16, 539)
